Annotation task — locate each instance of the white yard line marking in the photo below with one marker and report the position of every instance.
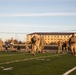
(2, 67)
(66, 73)
(23, 60)
(9, 68)
(29, 59)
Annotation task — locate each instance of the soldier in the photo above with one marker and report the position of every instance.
(37, 43)
(1, 44)
(72, 44)
(12, 44)
(18, 47)
(59, 46)
(33, 42)
(42, 43)
(65, 46)
(6, 45)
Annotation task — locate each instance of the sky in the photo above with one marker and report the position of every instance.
(21, 17)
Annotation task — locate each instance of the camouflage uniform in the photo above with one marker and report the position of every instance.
(42, 43)
(37, 43)
(72, 43)
(65, 46)
(1, 45)
(6, 45)
(33, 42)
(59, 46)
(12, 44)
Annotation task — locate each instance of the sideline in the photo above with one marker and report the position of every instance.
(69, 71)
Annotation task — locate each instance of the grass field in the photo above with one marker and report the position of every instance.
(20, 63)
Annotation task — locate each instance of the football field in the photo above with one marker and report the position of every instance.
(22, 63)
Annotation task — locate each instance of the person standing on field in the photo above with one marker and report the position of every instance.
(37, 44)
(42, 44)
(12, 44)
(59, 46)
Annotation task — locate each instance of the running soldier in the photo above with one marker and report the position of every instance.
(72, 44)
(33, 42)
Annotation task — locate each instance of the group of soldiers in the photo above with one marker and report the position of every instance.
(37, 44)
(70, 44)
(7, 44)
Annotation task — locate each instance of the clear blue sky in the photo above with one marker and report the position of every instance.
(27, 16)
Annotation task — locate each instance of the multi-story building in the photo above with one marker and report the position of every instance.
(52, 37)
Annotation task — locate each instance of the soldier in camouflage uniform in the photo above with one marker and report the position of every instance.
(33, 42)
(59, 46)
(12, 44)
(72, 44)
(42, 43)
(37, 44)
(65, 46)
(1, 44)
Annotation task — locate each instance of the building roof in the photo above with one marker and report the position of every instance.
(52, 33)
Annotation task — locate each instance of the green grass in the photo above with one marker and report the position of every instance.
(53, 64)
(73, 73)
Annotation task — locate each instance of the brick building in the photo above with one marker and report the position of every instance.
(51, 37)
